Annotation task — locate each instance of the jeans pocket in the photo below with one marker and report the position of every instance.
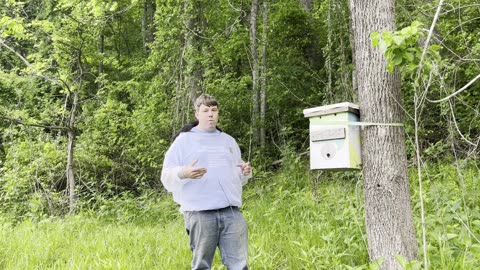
(187, 215)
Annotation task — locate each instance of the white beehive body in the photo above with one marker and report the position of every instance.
(334, 137)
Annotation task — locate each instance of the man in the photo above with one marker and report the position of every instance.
(204, 171)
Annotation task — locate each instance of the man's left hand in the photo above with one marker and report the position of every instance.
(245, 167)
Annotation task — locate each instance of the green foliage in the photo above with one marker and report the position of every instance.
(62, 43)
(442, 73)
(333, 23)
(86, 243)
(12, 27)
(408, 265)
(123, 140)
(148, 208)
(32, 177)
(452, 213)
(33, 159)
(132, 97)
(402, 49)
(298, 219)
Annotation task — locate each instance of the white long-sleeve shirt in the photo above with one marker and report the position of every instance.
(220, 186)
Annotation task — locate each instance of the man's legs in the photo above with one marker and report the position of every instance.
(233, 242)
(202, 228)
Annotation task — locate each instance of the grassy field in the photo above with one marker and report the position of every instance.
(297, 220)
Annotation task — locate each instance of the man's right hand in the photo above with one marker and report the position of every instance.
(190, 171)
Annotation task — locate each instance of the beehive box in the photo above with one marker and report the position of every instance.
(334, 137)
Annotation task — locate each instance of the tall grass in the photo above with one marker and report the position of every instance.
(452, 207)
(78, 243)
(297, 220)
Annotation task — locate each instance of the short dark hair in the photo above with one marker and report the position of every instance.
(206, 100)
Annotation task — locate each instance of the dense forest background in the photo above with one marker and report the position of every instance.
(115, 79)
(91, 92)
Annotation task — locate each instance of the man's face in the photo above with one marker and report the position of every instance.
(207, 117)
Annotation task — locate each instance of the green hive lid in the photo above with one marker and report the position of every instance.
(333, 108)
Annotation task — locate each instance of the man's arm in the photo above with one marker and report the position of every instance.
(174, 174)
(245, 168)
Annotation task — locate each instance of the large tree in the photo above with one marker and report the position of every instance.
(389, 222)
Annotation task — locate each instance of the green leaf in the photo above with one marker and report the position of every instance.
(12, 27)
(375, 37)
(403, 262)
(114, 6)
(434, 47)
(417, 24)
(376, 265)
(409, 56)
(397, 60)
(382, 46)
(451, 236)
(398, 40)
(411, 67)
(387, 37)
(390, 67)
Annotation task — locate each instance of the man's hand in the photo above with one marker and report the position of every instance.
(190, 171)
(245, 167)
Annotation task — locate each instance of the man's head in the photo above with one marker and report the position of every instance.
(206, 100)
(206, 112)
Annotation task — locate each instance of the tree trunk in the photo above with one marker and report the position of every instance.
(194, 29)
(351, 39)
(307, 4)
(389, 221)
(144, 24)
(152, 29)
(255, 69)
(70, 154)
(148, 23)
(102, 51)
(328, 64)
(263, 90)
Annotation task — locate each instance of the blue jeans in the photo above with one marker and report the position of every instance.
(225, 228)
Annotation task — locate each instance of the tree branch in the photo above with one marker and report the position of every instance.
(457, 92)
(417, 145)
(430, 32)
(25, 61)
(20, 122)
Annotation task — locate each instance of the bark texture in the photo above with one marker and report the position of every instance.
(389, 222)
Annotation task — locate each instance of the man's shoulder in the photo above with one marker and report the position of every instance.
(222, 133)
(228, 136)
(183, 136)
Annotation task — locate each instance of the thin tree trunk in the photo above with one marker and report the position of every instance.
(102, 50)
(194, 28)
(307, 4)
(389, 220)
(263, 90)
(70, 154)
(177, 119)
(352, 46)
(329, 55)
(255, 69)
(152, 28)
(144, 24)
(148, 23)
